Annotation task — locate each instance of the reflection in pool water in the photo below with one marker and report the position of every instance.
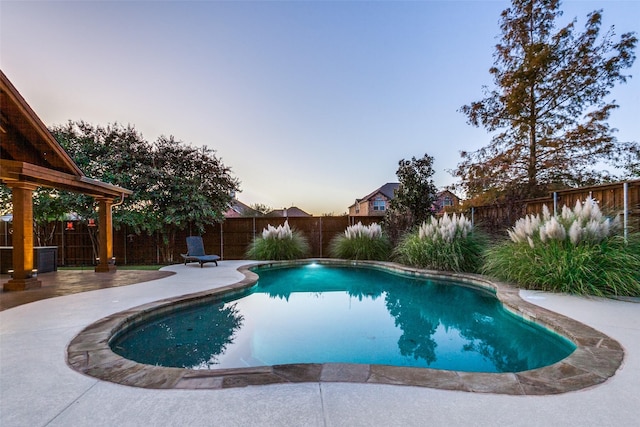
(323, 314)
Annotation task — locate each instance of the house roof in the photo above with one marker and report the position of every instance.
(29, 152)
(288, 212)
(238, 209)
(443, 192)
(388, 190)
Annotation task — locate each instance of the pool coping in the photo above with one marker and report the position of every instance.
(596, 358)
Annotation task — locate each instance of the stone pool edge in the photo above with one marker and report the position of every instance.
(596, 358)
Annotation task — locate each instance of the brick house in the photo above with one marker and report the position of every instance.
(445, 201)
(375, 203)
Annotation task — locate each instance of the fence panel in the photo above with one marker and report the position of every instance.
(331, 227)
(610, 197)
(234, 236)
(231, 239)
(74, 244)
(496, 218)
(131, 248)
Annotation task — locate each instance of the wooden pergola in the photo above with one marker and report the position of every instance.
(30, 157)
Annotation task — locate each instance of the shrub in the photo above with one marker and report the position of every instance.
(279, 243)
(361, 242)
(447, 244)
(579, 251)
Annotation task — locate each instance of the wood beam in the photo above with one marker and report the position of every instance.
(105, 236)
(14, 171)
(23, 263)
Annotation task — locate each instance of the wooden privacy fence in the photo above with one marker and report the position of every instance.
(229, 239)
(610, 197)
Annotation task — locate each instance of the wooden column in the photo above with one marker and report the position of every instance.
(105, 236)
(21, 196)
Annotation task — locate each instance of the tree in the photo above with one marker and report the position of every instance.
(548, 110)
(49, 207)
(191, 187)
(417, 193)
(261, 208)
(174, 185)
(6, 204)
(632, 163)
(115, 154)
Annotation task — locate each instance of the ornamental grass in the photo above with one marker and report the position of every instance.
(361, 242)
(279, 243)
(449, 243)
(579, 251)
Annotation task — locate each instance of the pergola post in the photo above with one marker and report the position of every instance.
(21, 196)
(30, 158)
(105, 236)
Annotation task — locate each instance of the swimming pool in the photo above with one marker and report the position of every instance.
(596, 358)
(317, 313)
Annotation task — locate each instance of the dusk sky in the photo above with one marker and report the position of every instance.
(310, 103)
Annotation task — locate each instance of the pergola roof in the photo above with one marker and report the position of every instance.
(29, 152)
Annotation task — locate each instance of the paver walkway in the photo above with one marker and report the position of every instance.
(37, 388)
(67, 282)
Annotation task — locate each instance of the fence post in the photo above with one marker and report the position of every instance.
(124, 236)
(62, 243)
(221, 242)
(625, 207)
(320, 237)
(555, 203)
(473, 211)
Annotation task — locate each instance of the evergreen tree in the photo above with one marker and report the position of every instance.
(548, 110)
(417, 192)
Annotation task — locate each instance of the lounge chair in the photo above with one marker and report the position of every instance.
(195, 252)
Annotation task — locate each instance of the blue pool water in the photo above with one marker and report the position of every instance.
(321, 314)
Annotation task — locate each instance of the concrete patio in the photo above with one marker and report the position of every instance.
(37, 388)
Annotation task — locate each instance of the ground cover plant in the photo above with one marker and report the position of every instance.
(279, 243)
(449, 243)
(362, 242)
(579, 251)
